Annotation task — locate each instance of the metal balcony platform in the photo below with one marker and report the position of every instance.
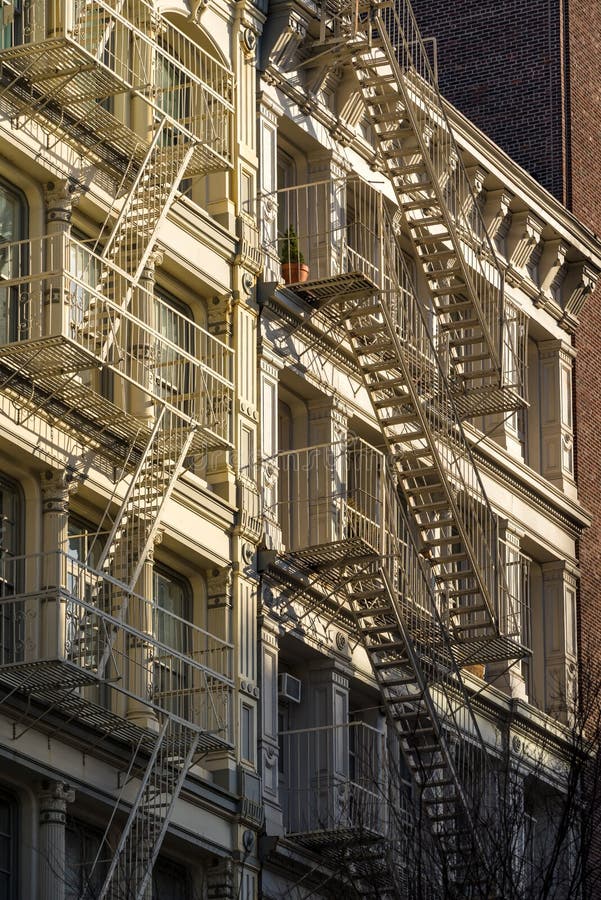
(487, 649)
(486, 401)
(65, 86)
(56, 355)
(346, 285)
(331, 841)
(333, 556)
(55, 683)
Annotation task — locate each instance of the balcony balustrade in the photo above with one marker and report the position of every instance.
(67, 312)
(75, 55)
(336, 784)
(75, 637)
(332, 228)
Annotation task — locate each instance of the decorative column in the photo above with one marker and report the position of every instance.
(270, 365)
(139, 652)
(513, 610)
(268, 740)
(53, 798)
(326, 216)
(220, 471)
(559, 619)
(220, 881)
(556, 418)
(60, 197)
(56, 486)
(323, 761)
(326, 477)
(267, 213)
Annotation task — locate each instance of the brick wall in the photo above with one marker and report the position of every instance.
(585, 148)
(500, 64)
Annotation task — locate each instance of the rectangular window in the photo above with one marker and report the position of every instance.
(8, 848)
(172, 612)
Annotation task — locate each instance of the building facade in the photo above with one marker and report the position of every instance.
(545, 67)
(290, 515)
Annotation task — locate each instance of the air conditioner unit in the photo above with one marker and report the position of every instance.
(289, 687)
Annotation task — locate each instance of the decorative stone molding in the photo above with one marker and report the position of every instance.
(60, 197)
(249, 249)
(220, 881)
(219, 587)
(580, 281)
(220, 311)
(282, 37)
(523, 239)
(552, 267)
(497, 214)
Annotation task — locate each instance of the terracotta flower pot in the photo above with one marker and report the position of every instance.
(295, 273)
(475, 669)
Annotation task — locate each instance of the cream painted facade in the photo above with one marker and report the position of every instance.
(205, 493)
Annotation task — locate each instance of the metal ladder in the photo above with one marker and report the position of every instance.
(130, 870)
(414, 406)
(415, 140)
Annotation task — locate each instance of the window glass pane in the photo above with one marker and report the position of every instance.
(169, 882)
(12, 222)
(86, 861)
(8, 848)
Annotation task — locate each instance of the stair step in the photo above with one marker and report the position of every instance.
(460, 324)
(426, 221)
(449, 558)
(459, 306)
(361, 311)
(384, 385)
(467, 610)
(475, 357)
(424, 203)
(466, 341)
(366, 350)
(447, 253)
(445, 577)
(401, 419)
(449, 289)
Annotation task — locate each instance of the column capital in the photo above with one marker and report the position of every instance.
(53, 798)
(60, 197)
(56, 486)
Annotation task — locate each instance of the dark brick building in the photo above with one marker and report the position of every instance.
(529, 75)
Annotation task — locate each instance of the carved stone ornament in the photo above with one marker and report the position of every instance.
(248, 39)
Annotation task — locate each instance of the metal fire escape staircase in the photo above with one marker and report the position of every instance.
(63, 73)
(372, 569)
(415, 141)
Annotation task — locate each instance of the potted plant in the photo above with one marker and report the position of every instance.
(294, 270)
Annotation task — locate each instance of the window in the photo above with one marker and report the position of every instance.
(13, 225)
(8, 847)
(11, 570)
(170, 881)
(174, 321)
(172, 614)
(87, 858)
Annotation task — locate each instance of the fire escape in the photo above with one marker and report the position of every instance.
(81, 640)
(420, 578)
